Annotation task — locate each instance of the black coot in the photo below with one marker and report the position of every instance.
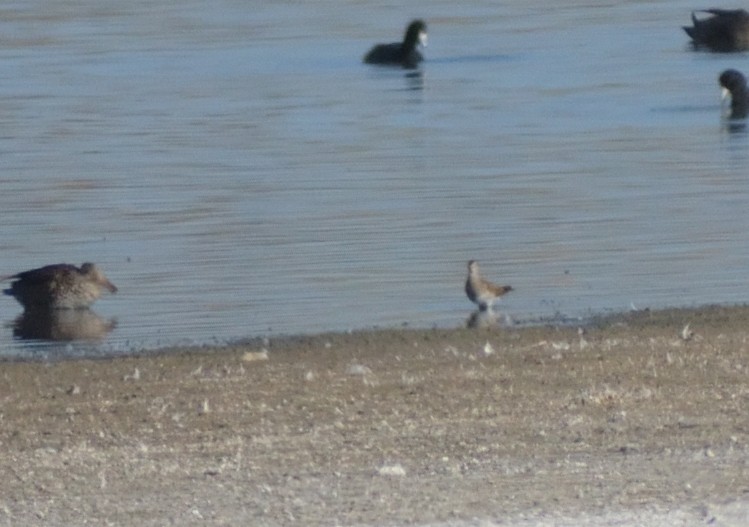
(404, 53)
(726, 30)
(734, 84)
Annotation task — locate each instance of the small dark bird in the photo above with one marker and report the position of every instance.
(404, 53)
(725, 31)
(481, 291)
(733, 83)
(59, 286)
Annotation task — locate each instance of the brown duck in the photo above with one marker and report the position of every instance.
(59, 286)
(481, 291)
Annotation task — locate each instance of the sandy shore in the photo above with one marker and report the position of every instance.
(635, 420)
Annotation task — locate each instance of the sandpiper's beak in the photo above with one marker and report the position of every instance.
(110, 286)
(423, 38)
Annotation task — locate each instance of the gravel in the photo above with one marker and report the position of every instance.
(632, 420)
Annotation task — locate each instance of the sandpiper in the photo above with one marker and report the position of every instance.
(59, 286)
(480, 291)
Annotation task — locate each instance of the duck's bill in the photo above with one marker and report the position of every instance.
(423, 38)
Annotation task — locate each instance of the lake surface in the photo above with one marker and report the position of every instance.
(237, 172)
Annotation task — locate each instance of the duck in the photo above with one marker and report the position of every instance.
(59, 286)
(404, 53)
(733, 84)
(727, 30)
(480, 291)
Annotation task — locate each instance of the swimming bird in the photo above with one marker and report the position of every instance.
(403, 53)
(733, 85)
(481, 291)
(726, 30)
(59, 286)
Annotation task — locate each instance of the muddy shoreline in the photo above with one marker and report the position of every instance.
(639, 416)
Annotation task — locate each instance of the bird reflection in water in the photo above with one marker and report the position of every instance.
(62, 325)
(482, 319)
(415, 80)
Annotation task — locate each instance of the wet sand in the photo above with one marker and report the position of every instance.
(634, 419)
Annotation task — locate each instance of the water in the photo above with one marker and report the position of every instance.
(236, 171)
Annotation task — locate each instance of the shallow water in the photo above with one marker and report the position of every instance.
(236, 171)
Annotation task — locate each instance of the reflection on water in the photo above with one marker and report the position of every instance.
(736, 127)
(238, 172)
(62, 325)
(415, 80)
(483, 319)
